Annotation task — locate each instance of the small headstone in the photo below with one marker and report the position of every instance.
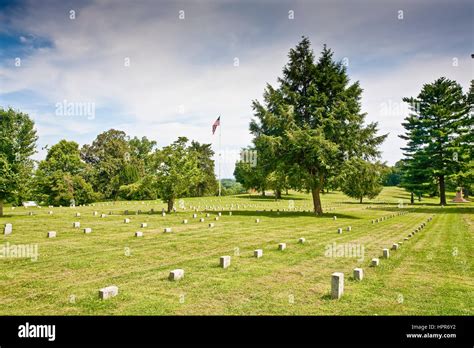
(207, 215)
(224, 261)
(138, 234)
(52, 234)
(211, 225)
(301, 240)
(386, 253)
(358, 273)
(219, 214)
(258, 253)
(108, 292)
(103, 215)
(195, 216)
(375, 262)
(349, 228)
(257, 221)
(95, 213)
(167, 230)
(334, 217)
(163, 214)
(185, 221)
(76, 224)
(216, 218)
(282, 246)
(337, 285)
(78, 214)
(8, 229)
(126, 221)
(339, 230)
(144, 224)
(201, 220)
(87, 230)
(230, 213)
(176, 274)
(394, 246)
(50, 212)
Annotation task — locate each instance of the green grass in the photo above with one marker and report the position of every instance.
(431, 274)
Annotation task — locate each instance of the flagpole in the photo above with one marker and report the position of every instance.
(220, 188)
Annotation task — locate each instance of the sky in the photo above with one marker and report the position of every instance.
(165, 69)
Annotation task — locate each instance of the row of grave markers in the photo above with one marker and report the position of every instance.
(337, 278)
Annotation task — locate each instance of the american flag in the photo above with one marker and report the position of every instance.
(217, 123)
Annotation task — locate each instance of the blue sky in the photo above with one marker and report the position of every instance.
(182, 72)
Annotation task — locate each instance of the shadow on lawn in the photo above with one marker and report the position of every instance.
(435, 209)
(269, 214)
(271, 198)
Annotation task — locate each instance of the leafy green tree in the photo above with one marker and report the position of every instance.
(250, 176)
(177, 171)
(59, 178)
(110, 156)
(361, 179)
(17, 144)
(231, 187)
(136, 176)
(313, 122)
(208, 185)
(439, 118)
(142, 189)
(392, 175)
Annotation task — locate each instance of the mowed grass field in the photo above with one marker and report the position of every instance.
(431, 274)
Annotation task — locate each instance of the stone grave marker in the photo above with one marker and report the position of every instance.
(337, 285)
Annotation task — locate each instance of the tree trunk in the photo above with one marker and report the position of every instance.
(1, 207)
(442, 190)
(412, 198)
(263, 193)
(360, 200)
(277, 194)
(287, 192)
(170, 204)
(318, 209)
(466, 192)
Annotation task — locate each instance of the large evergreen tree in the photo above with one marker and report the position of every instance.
(438, 120)
(313, 122)
(17, 144)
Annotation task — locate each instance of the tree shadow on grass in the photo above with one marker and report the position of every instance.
(287, 214)
(257, 198)
(436, 209)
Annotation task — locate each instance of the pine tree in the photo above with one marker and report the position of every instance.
(313, 122)
(438, 120)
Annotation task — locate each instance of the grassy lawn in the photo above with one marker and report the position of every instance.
(431, 274)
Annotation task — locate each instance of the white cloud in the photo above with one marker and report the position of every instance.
(181, 73)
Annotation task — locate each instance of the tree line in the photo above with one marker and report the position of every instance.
(113, 167)
(309, 134)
